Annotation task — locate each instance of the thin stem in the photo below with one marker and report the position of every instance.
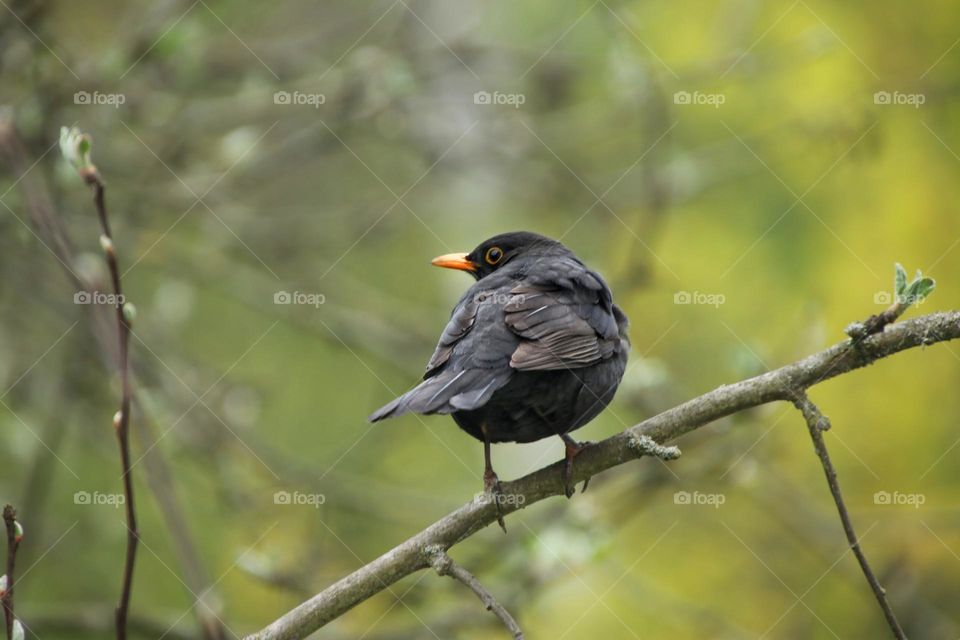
(13, 542)
(817, 423)
(122, 419)
(51, 230)
(445, 566)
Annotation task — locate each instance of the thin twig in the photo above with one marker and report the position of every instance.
(817, 423)
(13, 542)
(774, 386)
(121, 420)
(444, 565)
(52, 232)
(876, 323)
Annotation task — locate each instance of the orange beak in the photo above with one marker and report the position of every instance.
(454, 261)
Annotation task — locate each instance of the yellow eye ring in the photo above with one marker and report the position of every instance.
(493, 255)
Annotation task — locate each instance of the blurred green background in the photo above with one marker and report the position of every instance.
(771, 160)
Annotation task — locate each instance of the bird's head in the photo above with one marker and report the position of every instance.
(501, 250)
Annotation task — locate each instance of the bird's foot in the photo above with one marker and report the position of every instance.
(491, 485)
(573, 448)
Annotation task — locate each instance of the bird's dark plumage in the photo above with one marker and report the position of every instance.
(534, 348)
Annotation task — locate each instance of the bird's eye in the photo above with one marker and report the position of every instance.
(494, 255)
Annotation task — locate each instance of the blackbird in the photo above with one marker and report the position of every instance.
(535, 348)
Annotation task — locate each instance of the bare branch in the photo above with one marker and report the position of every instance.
(76, 148)
(122, 419)
(778, 385)
(444, 565)
(13, 543)
(817, 423)
(52, 232)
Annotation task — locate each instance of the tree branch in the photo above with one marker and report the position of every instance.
(14, 535)
(76, 148)
(817, 423)
(122, 420)
(52, 233)
(778, 385)
(444, 565)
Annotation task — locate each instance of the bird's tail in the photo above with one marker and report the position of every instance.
(386, 411)
(448, 392)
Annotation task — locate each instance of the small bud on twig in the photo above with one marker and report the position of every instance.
(75, 147)
(18, 532)
(129, 313)
(905, 294)
(107, 245)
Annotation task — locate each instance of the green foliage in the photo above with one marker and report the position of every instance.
(914, 292)
(75, 148)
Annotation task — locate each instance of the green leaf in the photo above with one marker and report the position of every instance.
(920, 289)
(899, 280)
(75, 147)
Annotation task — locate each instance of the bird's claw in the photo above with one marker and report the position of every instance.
(573, 448)
(491, 485)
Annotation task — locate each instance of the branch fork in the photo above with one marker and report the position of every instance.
(817, 423)
(444, 565)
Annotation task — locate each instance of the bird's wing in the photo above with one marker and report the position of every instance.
(471, 361)
(461, 321)
(564, 317)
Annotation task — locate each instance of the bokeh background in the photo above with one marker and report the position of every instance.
(768, 162)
